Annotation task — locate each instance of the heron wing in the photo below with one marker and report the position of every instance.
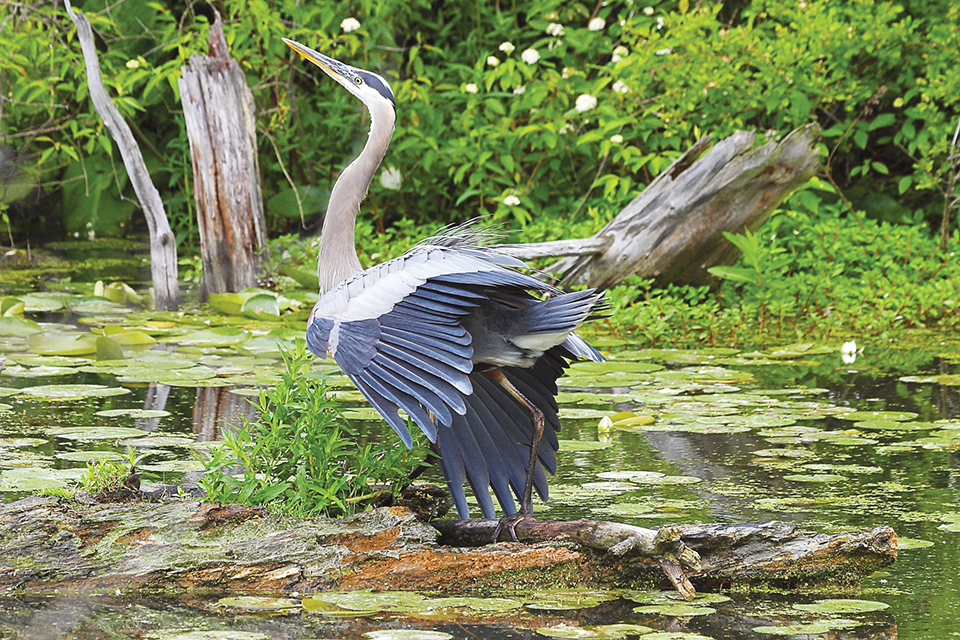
(396, 331)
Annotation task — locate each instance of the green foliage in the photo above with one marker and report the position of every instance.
(822, 274)
(108, 476)
(531, 112)
(300, 457)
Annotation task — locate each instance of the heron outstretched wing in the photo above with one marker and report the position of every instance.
(401, 341)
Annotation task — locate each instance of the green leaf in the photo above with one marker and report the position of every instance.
(108, 349)
(737, 274)
(904, 184)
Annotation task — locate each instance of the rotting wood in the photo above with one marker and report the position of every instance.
(163, 248)
(48, 544)
(673, 230)
(218, 110)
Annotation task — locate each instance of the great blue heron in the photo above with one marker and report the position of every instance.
(449, 332)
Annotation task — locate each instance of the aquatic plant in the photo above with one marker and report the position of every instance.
(300, 456)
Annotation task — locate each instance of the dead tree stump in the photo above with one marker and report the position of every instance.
(163, 248)
(219, 112)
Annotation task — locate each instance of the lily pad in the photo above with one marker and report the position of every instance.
(218, 634)
(37, 372)
(72, 391)
(815, 477)
(817, 628)
(255, 603)
(95, 433)
(407, 634)
(134, 413)
(583, 445)
(675, 609)
(36, 479)
(14, 326)
(597, 632)
(89, 456)
(841, 605)
(860, 416)
(566, 600)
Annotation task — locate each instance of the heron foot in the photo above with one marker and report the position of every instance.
(510, 524)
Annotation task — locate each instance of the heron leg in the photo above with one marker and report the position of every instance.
(536, 417)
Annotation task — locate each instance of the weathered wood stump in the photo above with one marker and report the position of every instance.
(219, 113)
(673, 230)
(163, 248)
(48, 544)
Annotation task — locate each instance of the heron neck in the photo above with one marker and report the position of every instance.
(338, 252)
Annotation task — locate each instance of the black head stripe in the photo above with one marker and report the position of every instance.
(374, 81)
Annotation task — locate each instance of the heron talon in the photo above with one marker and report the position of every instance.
(510, 523)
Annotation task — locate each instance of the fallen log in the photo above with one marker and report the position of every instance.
(163, 247)
(51, 544)
(673, 230)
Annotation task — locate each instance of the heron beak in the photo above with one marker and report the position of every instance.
(330, 66)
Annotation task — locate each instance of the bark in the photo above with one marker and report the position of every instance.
(47, 544)
(163, 248)
(219, 113)
(673, 230)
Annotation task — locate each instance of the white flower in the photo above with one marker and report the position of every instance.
(615, 58)
(620, 87)
(349, 24)
(132, 64)
(519, 90)
(530, 56)
(565, 73)
(511, 201)
(621, 51)
(566, 128)
(585, 102)
(554, 29)
(648, 11)
(659, 23)
(596, 24)
(664, 52)
(848, 352)
(507, 47)
(493, 61)
(616, 138)
(390, 178)
(471, 88)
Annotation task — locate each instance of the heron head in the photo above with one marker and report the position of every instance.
(371, 88)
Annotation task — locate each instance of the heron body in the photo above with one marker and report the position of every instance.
(453, 333)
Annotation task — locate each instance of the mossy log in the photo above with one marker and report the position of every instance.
(51, 544)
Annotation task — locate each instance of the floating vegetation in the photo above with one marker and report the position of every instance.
(60, 392)
(839, 605)
(675, 609)
(817, 628)
(257, 603)
(566, 599)
(595, 632)
(407, 634)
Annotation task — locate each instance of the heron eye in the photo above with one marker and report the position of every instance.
(358, 80)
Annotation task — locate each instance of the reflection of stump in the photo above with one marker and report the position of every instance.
(217, 409)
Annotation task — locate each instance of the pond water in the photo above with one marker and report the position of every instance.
(654, 437)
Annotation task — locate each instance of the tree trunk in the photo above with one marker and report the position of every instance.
(163, 248)
(673, 230)
(218, 110)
